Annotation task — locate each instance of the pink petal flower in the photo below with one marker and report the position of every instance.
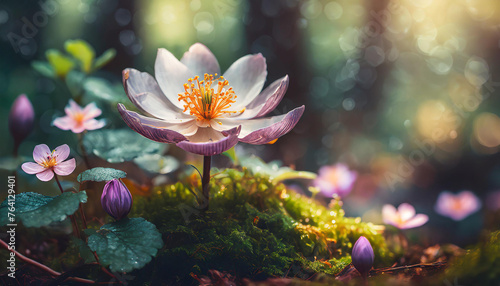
(186, 98)
(48, 162)
(79, 119)
(404, 217)
(336, 179)
(457, 206)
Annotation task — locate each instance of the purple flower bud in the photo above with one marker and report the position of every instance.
(116, 199)
(362, 256)
(21, 118)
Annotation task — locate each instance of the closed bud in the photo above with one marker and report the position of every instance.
(21, 119)
(363, 256)
(116, 199)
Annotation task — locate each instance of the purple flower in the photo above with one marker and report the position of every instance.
(336, 179)
(21, 118)
(404, 217)
(48, 162)
(191, 106)
(459, 206)
(362, 256)
(116, 199)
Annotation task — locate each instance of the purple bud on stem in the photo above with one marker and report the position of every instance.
(21, 119)
(116, 199)
(362, 256)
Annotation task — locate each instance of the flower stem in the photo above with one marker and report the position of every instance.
(84, 152)
(73, 220)
(205, 180)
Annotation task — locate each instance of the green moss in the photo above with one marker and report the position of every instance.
(479, 266)
(252, 229)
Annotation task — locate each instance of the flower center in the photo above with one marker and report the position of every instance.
(49, 162)
(78, 117)
(205, 102)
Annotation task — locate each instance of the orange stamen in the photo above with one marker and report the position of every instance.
(205, 102)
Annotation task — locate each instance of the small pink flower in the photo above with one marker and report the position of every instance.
(404, 217)
(48, 162)
(459, 206)
(336, 179)
(79, 119)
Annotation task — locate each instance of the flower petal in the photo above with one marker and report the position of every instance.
(406, 211)
(171, 131)
(64, 123)
(72, 108)
(32, 168)
(263, 130)
(171, 75)
(247, 77)
(65, 168)
(94, 124)
(91, 111)
(389, 214)
(46, 175)
(416, 221)
(200, 60)
(212, 148)
(61, 152)
(41, 152)
(143, 90)
(267, 100)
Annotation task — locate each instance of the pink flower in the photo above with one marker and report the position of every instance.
(404, 217)
(336, 179)
(459, 206)
(48, 162)
(79, 119)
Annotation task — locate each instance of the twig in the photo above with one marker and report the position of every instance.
(41, 266)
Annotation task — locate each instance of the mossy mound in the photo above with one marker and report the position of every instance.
(253, 229)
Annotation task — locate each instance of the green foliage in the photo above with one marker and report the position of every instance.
(60, 63)
(254, 229)
(105, 58)
(104, 90)
(126, 244)
(101, 174)
(82, 51)
(479, 266)
(120, 145)
(273, 169)
(83, 249)
(156, 163)
(36, 210)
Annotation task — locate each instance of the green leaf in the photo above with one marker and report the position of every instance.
(156, 163)
(126, 244)
(85, 253)
(274, 170)
(59, 62)
(105, 58)
(74, 81)
(231, 153)
(120, 145)
(103, 89)
(44, 68)
(36, 210)
(100, 174)
(82, 51)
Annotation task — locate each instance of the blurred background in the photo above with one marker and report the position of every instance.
(404, 92)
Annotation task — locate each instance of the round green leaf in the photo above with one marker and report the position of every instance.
(120, 145)
(101, 174)
(103, 89)
(36, 210)
(59, 62)
(126, 244)
(156, 163)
